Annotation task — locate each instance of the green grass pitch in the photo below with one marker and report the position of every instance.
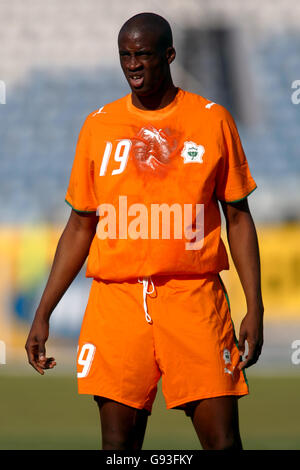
(47, 413)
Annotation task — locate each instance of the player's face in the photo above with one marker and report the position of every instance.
(144, 63)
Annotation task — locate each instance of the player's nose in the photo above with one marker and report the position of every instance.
(134, 64)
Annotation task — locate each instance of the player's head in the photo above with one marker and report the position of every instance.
(146, 52)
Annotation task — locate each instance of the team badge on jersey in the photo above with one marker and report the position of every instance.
(226, 356)
(192, 152)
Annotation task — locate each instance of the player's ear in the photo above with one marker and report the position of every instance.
(170, 54)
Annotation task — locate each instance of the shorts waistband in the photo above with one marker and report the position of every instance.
(157, 280)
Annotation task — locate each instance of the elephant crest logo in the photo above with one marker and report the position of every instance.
(192, 153)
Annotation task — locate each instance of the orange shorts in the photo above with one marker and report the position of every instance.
(177, 328)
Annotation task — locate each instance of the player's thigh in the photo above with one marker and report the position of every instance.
(216, 422)
(122, 426)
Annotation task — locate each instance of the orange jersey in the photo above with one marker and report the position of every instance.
(155, 178)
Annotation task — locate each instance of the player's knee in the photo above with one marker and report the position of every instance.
(115, 441)
(121, 439)
(109, 444)
(222, 441)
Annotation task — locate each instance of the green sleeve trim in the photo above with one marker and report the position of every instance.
(242, 198)
(77, 210)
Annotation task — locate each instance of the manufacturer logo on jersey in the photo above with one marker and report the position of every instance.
(192, 152)
(209, 105)
(100, 111)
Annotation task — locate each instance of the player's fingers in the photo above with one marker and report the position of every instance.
(32, 359)
(241, 343)
(41, 350)
(252, 357)
(50, 363)
(251, 349)
(256, 354)
(42, 359)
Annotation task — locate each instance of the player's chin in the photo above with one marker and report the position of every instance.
(141, 90)
(149, 88)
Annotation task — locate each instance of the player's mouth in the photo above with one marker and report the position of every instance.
(136, 81)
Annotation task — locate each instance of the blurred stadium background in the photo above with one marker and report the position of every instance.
(59, 61)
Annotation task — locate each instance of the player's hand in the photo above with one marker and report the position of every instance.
(251, 330)
(35, 346)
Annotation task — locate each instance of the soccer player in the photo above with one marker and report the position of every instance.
(148, 173)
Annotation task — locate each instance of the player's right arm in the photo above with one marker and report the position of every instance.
(71, 253)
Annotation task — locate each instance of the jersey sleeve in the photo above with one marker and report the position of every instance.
(80, 193)
(234, 181)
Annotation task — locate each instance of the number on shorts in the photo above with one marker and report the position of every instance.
(85, 360)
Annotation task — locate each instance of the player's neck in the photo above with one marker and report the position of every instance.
(157, 100)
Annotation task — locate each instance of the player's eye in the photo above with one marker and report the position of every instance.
(143, 54)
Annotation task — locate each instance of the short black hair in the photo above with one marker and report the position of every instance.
(153, 23)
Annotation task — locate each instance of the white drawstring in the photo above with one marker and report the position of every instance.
(145, 282)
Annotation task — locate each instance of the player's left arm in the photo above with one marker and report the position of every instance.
(244, 249)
